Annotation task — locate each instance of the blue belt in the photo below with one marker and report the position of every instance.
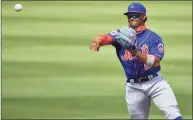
(142, 79)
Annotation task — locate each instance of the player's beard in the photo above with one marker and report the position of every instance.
(133, 25)
(137, 27)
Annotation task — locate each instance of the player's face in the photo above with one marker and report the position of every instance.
(135, 19)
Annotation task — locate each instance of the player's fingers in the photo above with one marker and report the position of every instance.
(92, 46)
(92, 49)
(95, 49)
(96, 45)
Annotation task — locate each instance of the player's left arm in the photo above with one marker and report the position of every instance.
(155, 55)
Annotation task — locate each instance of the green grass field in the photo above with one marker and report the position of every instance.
(49, 72)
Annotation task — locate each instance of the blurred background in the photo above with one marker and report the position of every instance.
(49, 72)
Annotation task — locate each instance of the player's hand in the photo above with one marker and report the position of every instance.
(127, 38)
(95, 45)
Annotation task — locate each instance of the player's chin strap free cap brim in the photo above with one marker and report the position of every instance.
(133, 12)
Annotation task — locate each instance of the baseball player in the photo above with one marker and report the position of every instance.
(140, 52)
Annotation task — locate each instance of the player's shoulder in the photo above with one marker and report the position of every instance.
(155, 35)
(155, 38)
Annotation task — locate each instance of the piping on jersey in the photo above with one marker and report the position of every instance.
(139, 48)
(144, 39)
(135, 65)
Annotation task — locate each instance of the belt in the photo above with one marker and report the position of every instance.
(142, 79)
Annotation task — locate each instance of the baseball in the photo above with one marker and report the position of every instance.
(18, 7)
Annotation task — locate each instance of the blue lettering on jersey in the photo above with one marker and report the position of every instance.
(148, 42)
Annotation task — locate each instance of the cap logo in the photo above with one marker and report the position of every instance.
(132, 6)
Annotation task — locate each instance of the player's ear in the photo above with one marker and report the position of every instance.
(144, 18)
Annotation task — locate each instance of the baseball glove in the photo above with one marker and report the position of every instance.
(127, 38)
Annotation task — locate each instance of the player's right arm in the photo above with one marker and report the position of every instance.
(102, 40)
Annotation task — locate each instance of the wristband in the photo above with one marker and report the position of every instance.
(150, 60)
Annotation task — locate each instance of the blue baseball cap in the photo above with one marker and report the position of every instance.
(136, 8)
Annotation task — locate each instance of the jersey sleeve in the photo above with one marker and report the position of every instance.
(113, 34)
(157, 48)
